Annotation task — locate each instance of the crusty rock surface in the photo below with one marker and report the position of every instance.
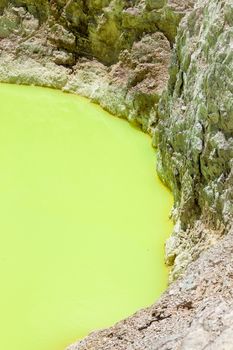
(117, 53)
(103, 28)
(194, 134)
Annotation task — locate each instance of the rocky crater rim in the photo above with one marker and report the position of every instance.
(167, 66)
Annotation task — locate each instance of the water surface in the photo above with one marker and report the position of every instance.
(83, 219)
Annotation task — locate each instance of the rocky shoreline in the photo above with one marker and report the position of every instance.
(195, 313)
(167, 66)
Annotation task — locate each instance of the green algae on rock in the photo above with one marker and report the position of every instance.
(83, 219)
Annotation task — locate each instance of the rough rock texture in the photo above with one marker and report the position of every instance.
(103, 28)
(195, 313)
(115, 52)
(195, 131)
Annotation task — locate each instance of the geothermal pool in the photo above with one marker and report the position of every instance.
(83, 219)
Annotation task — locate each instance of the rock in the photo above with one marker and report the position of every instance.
(38, 8)
(27, 71)
(73, 14)
(117, 53)
(62, 38)
(122, 35)
(195, 313)
(152, 4)
(131, 87)
(63, 58)
(195, 116)
(30, 24)
(9, 23)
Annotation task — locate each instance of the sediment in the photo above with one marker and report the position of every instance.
(166, 66)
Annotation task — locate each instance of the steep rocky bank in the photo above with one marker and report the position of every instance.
(194, 133)
(129, 57)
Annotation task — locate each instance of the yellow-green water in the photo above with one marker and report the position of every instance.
(83, 219)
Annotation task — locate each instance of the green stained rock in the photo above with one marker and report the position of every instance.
(8, 24)
(73, 13)
(122, 35)
(39, 8)
(155, 4)
(62, 38)
(194, 133)
(118, 53)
